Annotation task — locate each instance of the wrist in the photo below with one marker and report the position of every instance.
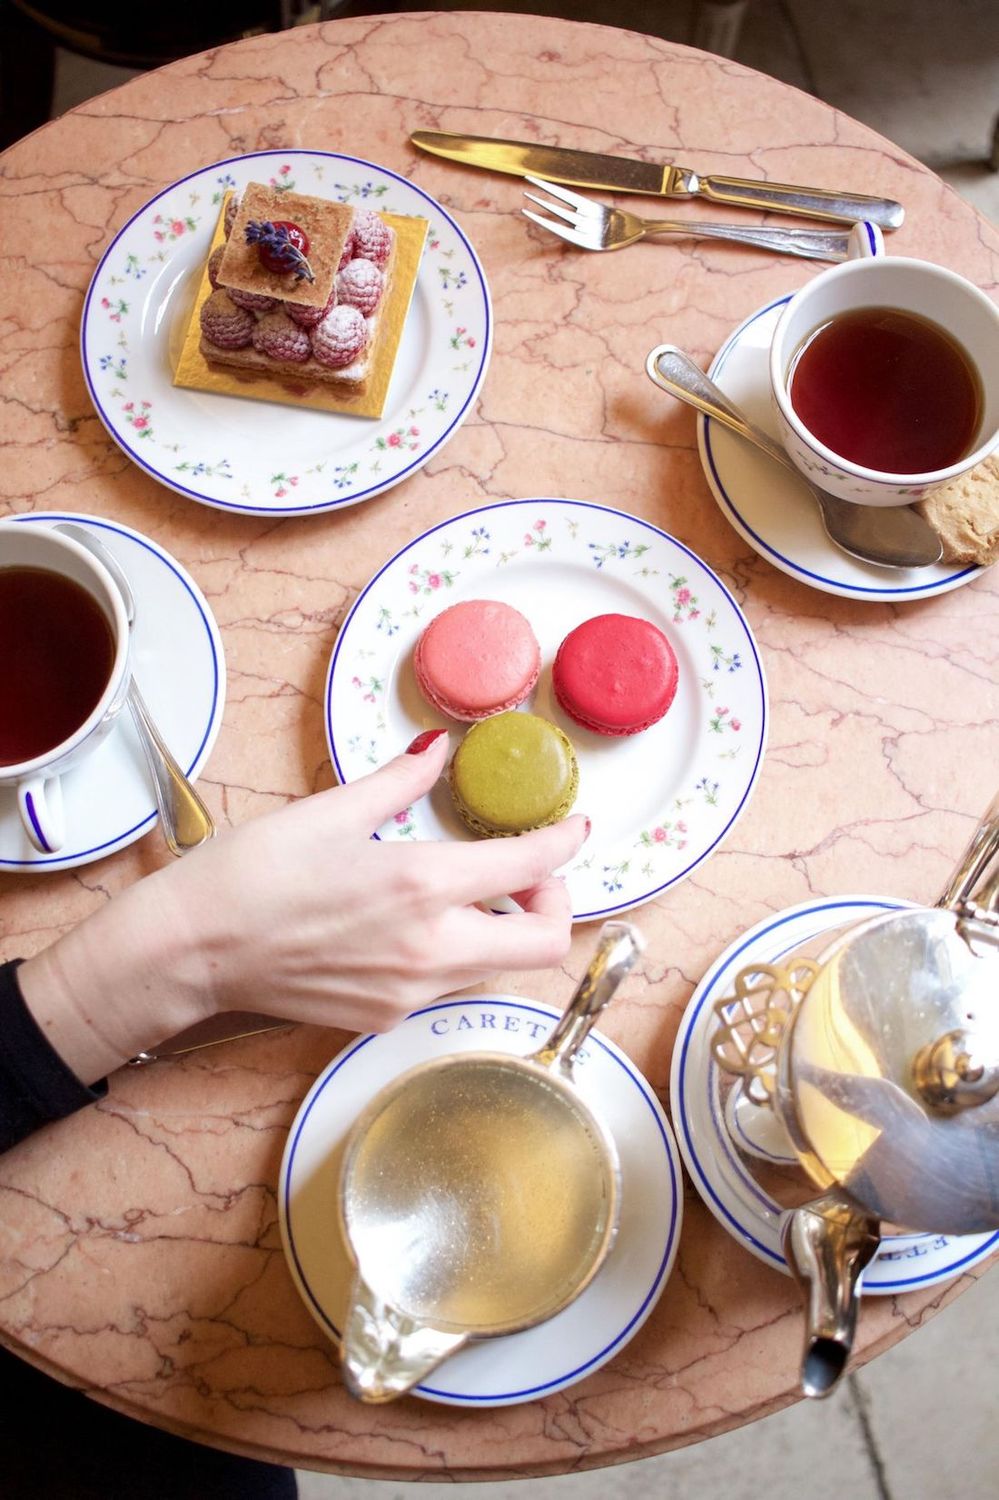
(120, 983)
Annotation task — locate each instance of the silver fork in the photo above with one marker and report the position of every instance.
(594, 226)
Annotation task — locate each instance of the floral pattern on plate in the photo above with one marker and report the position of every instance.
(659, 801)
(226, 452)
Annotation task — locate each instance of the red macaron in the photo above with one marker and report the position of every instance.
(615, 674)
(477, 658)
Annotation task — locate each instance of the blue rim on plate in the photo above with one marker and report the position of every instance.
(575, 1316)
(363, 736)
(693, 1081)
(461, 287)
(726, 494)
(67, 858)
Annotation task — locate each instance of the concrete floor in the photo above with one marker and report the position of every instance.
(922, 1422)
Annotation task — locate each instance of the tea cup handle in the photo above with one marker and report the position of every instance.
(39, 801)
(866, 242)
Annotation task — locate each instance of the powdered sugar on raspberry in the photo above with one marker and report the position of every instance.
(252, 301)
(372, 237)
(360, 285)
(308, 317)
(349, 250)
(225, 325)
(277, 336)
(339, 338)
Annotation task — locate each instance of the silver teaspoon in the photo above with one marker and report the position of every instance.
(184, 818)
(892, 536)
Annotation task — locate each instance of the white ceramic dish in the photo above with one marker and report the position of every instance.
(904, 1261)
(251, 456)
(660, 801)
(177, 660)
(770, 507)
(542, 1360)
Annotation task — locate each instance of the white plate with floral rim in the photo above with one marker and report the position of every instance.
(177, 660)
(904, 1262)
(770, 507)
(590, 1331)
(250, 456)
(659, 801)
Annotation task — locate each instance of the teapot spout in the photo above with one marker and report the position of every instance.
(828, 1244)
(384, 1352)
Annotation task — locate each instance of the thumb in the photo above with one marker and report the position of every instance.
(371, 800)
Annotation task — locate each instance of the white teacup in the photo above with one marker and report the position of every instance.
(913, 286)
(39, 793)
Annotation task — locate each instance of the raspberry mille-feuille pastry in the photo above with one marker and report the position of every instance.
(297, 288)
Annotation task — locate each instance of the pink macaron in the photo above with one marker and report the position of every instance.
(615, 674)
(477, 658)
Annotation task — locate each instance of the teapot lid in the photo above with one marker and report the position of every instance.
(891, 1069)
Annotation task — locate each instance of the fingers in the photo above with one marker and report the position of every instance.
(370, 801)
(535, 939)
(497, 867)
(550, 899)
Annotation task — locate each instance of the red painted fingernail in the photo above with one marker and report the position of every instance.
(589, 825)
(424, 741)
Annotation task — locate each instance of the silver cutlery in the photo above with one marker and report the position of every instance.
(892, 536)
(184, 818)
(594, 226)
(623, 174)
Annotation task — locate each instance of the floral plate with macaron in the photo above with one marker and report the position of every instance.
(660, 801)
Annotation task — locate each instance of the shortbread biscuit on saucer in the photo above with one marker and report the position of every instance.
(965, 515)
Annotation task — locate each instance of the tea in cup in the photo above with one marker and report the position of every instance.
(64, 668)
(885, 379)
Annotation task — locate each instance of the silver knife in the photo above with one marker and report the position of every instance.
(626, 175)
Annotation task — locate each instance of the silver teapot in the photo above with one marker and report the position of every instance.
(880, 1064)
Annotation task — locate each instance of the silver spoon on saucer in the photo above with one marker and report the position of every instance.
(892, 536)
(184, 818)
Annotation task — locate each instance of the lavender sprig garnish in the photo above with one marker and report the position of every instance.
(281, 249)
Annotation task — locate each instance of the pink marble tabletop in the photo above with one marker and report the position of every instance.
(140, 1257)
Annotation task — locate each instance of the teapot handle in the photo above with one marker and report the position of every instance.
(974, 864)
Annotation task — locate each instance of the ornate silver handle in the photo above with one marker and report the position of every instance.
(974, 864)
(675, 372)
(619, 946)
(814, 244)
(816, 203)
(185, 819)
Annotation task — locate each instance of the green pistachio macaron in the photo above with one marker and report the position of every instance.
(512, 772)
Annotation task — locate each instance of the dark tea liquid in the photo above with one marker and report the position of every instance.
(888, 390)
(56, 655)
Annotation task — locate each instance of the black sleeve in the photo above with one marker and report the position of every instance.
(36, 1086)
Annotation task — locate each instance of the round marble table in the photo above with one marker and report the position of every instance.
(139, 1249)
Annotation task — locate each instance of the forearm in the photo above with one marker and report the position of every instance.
(120, 983)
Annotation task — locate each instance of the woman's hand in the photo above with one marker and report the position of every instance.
(301, 915)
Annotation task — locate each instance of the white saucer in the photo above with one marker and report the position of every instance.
(904, 1262)
(177, 660)
(660, 802)
(770, 507)
(520, 1366)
